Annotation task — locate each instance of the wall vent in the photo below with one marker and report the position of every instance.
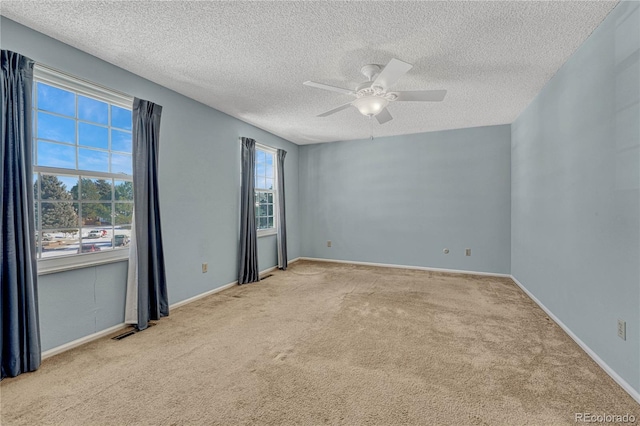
(130, 332)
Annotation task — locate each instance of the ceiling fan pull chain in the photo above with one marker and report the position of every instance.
(371, 127)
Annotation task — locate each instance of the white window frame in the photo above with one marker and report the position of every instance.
(276, 205)
(46, 75)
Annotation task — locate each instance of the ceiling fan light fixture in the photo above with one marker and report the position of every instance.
(370, 105)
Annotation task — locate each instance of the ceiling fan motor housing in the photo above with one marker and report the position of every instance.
(370, 71)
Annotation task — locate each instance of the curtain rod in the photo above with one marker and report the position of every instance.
(268, 147)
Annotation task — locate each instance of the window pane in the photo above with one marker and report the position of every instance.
(96, 214)
(120, 141)
(96, 239)
(56, 155)
(262, 211)
(268, 171)
(270, 197)
(121, 163)
(56, 128)
(122, 238)
(36, 210)
(93, 110)
(268, 159)
(59, 242)
(95, 189)
(89, 159)
(56, 100)
(92, 247)
(120, 117)
(124, 190)
(59, 215)
(270, 210)
(95, 136)
(270, 222)
(35, 188)
(262, 197)
(268, 183)
(260, 169)
(100, 234)
(260, 156)
(258, 181)
(262, 224)
(56, 187)
(123, 213)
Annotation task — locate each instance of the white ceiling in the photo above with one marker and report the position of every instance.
(249, 59)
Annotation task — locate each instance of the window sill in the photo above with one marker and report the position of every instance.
(61, 264)
(267, 232)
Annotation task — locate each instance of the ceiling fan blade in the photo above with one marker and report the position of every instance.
(333, 111)
(392, 73)
(384, 116)
(421, 95)
(327, 87)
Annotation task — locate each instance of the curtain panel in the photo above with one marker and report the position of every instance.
(20, 330)
(148, 262)
(248, 256)
(282, 218)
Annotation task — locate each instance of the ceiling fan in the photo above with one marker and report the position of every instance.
(373, 96)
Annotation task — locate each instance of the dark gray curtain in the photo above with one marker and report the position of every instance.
(248, 271)
(153, 302)
(282, 218)
(20, 332)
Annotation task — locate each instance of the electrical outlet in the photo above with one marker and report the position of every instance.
(328, 243)
(467, 252)
(205, 267)
(622, 329)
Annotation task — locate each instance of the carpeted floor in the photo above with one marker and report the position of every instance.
(329, 343)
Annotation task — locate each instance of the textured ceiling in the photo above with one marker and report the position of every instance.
(249, 59)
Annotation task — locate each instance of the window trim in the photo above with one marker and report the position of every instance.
(47, 75)
(276, 204)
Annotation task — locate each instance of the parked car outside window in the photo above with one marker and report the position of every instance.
(97, 233)
(88, 248)
(121, 240)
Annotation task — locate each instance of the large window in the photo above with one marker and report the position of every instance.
(82, 168)
(266, 200)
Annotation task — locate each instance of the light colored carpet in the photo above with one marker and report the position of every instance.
(329, 343)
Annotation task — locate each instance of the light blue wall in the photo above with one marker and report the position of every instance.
(80, 302)
(575, 192)
(199, 196)
(402, 200)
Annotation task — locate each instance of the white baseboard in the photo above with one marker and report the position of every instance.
(106, 332)
(83, 340)
(615, 376)
(419, 268)
(201, 295)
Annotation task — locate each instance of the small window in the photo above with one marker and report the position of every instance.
(82, 162)
(265, 193)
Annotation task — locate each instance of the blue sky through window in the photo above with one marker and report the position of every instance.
(95, 136)
(56, 128)
(120, 118)
(120, 141)
(56, 155)
(121, 164)
(60, 124)
(56, 100)
(93, 110)
(90, 159)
